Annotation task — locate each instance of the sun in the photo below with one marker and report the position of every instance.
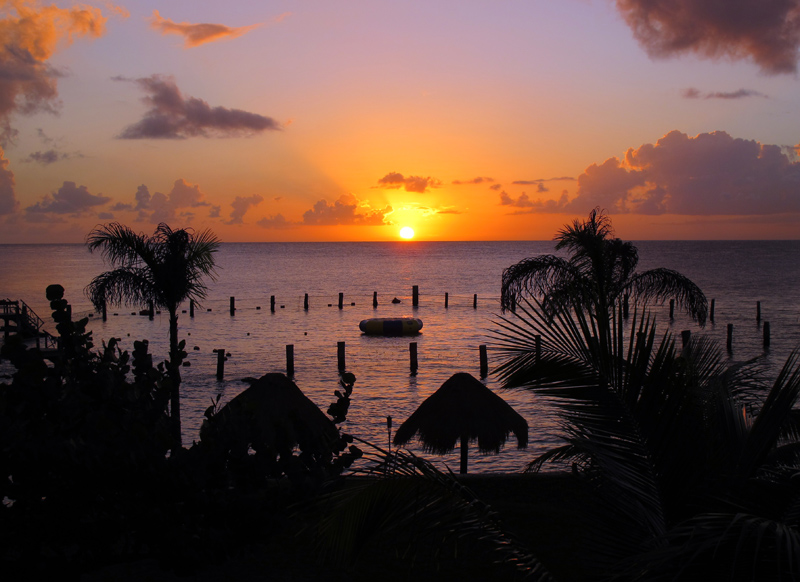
(407, 233)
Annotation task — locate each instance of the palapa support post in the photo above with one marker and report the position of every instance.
(758, 310)
(766, 334)
(150, 311)
(711, 311)
(233, 306)
(415, 296)
(191, 307)
(374, 299)
(290, 360)
(537, 340)
(104, 311)
(412, 350)
(341, 300)
(272, 303)
(671, 309)
(729, 343)
(220, 364)
(305, 302)
(340, 355)
(446, 298)
(475, 301)
(484, 361)
(625, 306)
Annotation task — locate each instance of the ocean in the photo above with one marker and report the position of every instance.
(736, 274)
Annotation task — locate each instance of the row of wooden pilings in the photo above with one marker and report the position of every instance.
(340, 358)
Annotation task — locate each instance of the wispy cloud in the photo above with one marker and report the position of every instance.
(410, 183)
(768, 33)
(478, 180)
(173, 116)
(694, 93)
(198, 34)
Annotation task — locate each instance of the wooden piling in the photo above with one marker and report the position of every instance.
(671, 309)
(412, 350)
(305, 302)
(711, 311)
(191, 308)
(446, 298)
(766, 334)
(484, 361)
(290, 360)
(475, 301)
(104, 311)
(220, 364)
(758, 310)
(374, 299)
(272, 303)
(537, 342)
(233, 306)
(729, 343)
(415, 296)
(340, 356)
(625, 306)
(341, 300)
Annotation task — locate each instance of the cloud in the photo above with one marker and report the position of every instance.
(275, 222)
(495, 187)
(8, 197)
(766, 32)
(159, 207)
(197, 34)
(50, 156)
(410, 184)
(344, 211)
(523, 201)
(69, 199)
(31, 33)
(241, 204)
(173, 116)
(693, 93)
(478, 180)
(709, 174)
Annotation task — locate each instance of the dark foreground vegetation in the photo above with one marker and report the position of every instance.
(684, 466)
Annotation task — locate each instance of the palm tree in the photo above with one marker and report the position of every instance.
(695, 460)
(164, 270)
(599, 274)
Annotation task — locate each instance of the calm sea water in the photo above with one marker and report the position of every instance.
(736, 274)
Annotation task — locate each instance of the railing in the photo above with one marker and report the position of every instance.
(27, 322)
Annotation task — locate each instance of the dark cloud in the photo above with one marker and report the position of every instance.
(241, 204)
(410, 183)
(764, 31)
(276, 222)
(344, 211)
(693, 93)
(495, 187)
(710, 174)
(197, 34)
(478, 180)
(50, 156)
(8, 197)
(215, 212)
(69, 199)
(173, 116)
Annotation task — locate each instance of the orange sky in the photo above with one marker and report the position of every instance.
(317, 121)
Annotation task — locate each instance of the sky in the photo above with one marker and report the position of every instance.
(312, 120)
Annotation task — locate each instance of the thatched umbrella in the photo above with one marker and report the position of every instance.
(466, 410)
(273, 413)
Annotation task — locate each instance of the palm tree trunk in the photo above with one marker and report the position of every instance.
(175, 378)
(464, 451)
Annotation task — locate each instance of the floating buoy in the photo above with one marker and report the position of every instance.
(391, 326)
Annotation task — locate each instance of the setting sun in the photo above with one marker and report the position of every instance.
(407, 232)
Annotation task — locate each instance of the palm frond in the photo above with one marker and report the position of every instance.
(658, 285)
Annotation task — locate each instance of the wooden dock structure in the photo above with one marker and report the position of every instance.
(19, 319)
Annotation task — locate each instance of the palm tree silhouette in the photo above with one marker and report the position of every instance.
(165, 269)
(598, 275)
